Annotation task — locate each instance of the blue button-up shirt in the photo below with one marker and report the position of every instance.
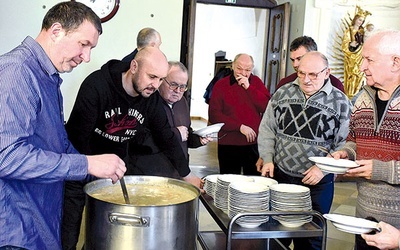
(35, 154)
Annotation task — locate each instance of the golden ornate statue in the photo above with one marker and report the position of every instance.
(352, 43)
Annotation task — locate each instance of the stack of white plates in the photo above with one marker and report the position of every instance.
(248, 197)
(291, 198)
(210, 182)
(331, 165)
(221, 190)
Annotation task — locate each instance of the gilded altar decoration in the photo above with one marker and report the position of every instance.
(352, 43)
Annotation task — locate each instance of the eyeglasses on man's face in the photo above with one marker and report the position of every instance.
(312, 76)
(175, 86)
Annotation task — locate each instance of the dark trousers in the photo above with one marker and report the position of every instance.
(321, 199)
(233, 158)
(74, 203)
(360, 242)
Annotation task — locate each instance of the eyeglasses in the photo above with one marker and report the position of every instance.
(312, 76)
(175, 86)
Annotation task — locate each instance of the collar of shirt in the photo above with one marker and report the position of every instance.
(44, 60)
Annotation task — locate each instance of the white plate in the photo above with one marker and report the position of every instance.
(249, 187)
(209, 130)
(289, 188)
(350, 224)
(333, 162)
(264, 180)
(330, 169)
(294, 223)
(350, 229)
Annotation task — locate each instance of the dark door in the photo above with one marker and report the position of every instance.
(277, 43)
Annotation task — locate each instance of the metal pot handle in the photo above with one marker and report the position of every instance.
(129, 220)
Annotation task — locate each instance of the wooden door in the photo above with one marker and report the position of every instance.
(277, 44)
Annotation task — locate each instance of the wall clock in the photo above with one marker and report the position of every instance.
(105, 9)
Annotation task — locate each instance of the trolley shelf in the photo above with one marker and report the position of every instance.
(265, 236)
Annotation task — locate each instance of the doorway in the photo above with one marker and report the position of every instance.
(259, 28)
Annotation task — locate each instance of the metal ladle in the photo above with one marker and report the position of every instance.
(325, 150)
(124, 190)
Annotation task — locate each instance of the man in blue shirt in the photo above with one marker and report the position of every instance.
(36, 155)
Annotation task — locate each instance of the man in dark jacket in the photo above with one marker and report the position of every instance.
(177, 108)
(115, 107)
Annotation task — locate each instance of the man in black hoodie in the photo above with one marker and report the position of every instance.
(115, 105)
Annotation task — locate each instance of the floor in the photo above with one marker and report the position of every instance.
(205, 158)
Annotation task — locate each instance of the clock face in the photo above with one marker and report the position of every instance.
(105, 9)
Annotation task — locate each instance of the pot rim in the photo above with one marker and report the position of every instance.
(132, 179)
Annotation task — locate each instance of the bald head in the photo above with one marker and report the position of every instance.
(242, 65)
(147, 70)
(315, 55)
(152, 55)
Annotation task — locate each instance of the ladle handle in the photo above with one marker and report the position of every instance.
(124, 191)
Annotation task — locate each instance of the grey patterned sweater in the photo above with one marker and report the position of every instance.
(293, 126)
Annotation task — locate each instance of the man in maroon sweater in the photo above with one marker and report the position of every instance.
(298, 48)
(238, 100)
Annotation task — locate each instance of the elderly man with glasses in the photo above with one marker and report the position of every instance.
(300, 117)
(177, 108)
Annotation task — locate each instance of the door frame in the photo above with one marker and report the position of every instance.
(188, 33)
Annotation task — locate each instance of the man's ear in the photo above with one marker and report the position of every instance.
(396, 62)
(134, 66)
(328, 72)
(56, 30)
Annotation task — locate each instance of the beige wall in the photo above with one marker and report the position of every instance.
(19, 18)
(316, 18)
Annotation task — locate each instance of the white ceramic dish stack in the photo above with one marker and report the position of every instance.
(210, 182)
(248, 197)
(291, 198)
(221, 189)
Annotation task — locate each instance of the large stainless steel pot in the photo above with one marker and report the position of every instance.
(124, 226)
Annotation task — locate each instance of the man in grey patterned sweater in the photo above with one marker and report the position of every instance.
(301, 116)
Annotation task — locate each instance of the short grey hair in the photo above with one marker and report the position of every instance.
(243, 54)
(387, 41)
(146, 36)
(178, 64)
